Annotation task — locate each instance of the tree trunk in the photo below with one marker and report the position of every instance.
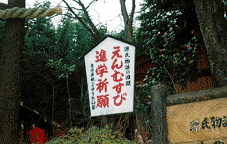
(129, 33)
(128, 20)
(10, 65)
(211, 21)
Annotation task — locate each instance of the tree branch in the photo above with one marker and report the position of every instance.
(76, 8)
(132, 11)
(128, 21)
(73, 17)
(80, 20)
(76, 1)
(124, 12)
(94, 29)
(89, 4)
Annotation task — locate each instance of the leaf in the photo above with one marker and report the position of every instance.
(61, 75)
(191, 61)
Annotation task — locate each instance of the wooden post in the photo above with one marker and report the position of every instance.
(158, 107)
(10, 78)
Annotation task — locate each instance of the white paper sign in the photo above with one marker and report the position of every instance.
(110, 77)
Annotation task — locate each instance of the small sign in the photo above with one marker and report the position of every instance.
(110, 77)
(203, 121)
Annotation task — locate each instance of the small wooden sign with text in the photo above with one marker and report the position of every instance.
(198, 122)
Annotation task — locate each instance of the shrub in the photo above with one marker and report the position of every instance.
(93, 135)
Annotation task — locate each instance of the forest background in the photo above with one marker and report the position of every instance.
(53, 72)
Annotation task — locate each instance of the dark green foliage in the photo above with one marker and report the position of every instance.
(120, 35)
(2, 25)
(39, 41)
(171, 46)
(43, 43)
(49, 56)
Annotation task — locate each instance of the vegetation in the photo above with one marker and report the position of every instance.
(171, 46)
(92, 135)
(54, 80)
(209, 30)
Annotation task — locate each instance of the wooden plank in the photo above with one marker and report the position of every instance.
(180, 116)
(201, 95)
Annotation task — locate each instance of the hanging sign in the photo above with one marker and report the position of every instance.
(110, 77)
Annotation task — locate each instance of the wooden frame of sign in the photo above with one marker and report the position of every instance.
(195, 117)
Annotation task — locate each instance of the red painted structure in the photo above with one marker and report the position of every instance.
(37, 135)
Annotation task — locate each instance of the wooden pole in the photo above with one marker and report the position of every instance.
(158, 107)
(10, 78)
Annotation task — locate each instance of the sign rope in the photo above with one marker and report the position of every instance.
(30, 13)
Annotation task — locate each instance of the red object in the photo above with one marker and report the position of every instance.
(101, 69)
(119, 85)
(101, 57)
(122, 98)
(37, 135)
(103, 100)
(116, 53)
(22, 135)
(101, 85)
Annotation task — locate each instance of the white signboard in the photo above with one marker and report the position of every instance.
(110, 77)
